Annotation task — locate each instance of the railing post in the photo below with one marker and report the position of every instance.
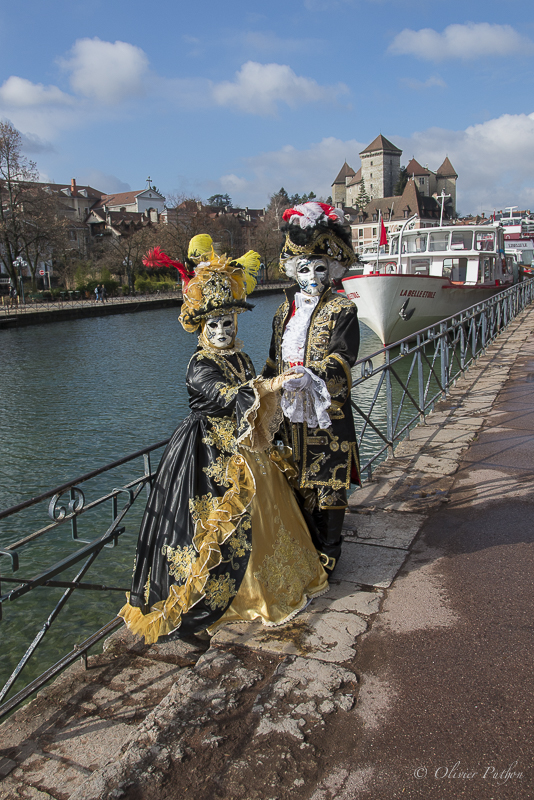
(389, 403)
(421, 379)
(444, 348)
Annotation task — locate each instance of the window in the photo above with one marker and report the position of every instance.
(414, 243)
(486, 268)
(421, 181)
(374, 231)
(462, 240)
(484, 240)
(420, 266)
(360, 232)
(371, 175)
(438, 241)
(371, 163)
(455, 269)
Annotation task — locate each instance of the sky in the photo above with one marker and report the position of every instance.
(243, 98)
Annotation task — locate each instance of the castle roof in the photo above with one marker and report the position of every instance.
(381, 143)
(344, 173)
(447, 170)
(415, 168)
(357, 178)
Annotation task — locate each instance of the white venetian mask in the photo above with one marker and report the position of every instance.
(221, 331)
(312, 275)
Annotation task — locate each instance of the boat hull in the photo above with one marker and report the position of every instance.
(397, 306)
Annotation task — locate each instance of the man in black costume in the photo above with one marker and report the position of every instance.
(316, 329)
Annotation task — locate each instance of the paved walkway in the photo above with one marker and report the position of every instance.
(408, 686)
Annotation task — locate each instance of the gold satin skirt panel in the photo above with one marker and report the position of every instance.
(284, 570)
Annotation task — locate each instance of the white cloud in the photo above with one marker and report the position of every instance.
(311, 169)
(18, 93)
(258, 89)
(493, 160)
(108, 72)
(465, 42)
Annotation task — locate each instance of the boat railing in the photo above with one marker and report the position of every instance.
(70, 601)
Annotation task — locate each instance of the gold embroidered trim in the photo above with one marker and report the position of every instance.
(216, 521)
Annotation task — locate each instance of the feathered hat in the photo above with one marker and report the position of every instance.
(220, 286)
(317, 229)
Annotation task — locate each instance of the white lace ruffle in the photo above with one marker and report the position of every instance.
(294, 338)
(308, 404)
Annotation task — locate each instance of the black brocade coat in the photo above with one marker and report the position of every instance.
(326, 460)
(199, 497)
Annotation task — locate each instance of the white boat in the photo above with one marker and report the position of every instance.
(428, 275)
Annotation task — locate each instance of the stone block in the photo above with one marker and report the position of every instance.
(386, 529)
(329, 636)
(345, 597)
(369, 565)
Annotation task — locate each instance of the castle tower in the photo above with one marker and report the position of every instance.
(446, 178)
(339, 187)
(380, 167)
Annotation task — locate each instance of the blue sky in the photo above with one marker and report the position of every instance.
(246, 97)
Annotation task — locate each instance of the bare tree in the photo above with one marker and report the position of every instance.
(15, 173)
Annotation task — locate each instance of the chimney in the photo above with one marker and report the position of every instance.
(73, 189)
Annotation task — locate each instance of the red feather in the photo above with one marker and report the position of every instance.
(157, 258)
(291, 212)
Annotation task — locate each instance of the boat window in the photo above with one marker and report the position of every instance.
(414, 243)
(438, 241)
(420, 266)
(455, 269)
(462, 240)
(394, 246)
(484, 240)
(486, 268)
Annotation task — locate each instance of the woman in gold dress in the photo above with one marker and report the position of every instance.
(222, 537)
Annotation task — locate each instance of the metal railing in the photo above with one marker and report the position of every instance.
(394, 390)
(75, 300)
(401, 383)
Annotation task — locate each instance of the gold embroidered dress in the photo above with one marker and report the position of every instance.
(222, 537)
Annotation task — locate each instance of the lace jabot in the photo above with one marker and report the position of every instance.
(294, 338)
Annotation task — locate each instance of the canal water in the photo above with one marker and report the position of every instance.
(76, 396)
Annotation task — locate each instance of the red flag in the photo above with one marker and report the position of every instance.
(383, 234)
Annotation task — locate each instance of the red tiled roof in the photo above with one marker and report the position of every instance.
(381, 143)
(415, 168)
(357, 178)
(344, 172)
(447, 170)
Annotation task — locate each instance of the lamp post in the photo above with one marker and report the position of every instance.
(128, 264)
(19, 263)
(231, 235)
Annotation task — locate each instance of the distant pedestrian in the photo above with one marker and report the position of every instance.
(98, 293)
(12, 297)
(103, 293)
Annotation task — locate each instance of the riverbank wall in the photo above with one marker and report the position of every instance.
(265, 713)
(23, 316)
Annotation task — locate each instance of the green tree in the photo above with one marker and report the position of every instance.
(363, 198)
(220, 200)
(402, 180)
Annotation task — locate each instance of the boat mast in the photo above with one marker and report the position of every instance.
(442, 197)
(414, 216)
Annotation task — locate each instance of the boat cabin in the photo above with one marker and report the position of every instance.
(463, 254)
